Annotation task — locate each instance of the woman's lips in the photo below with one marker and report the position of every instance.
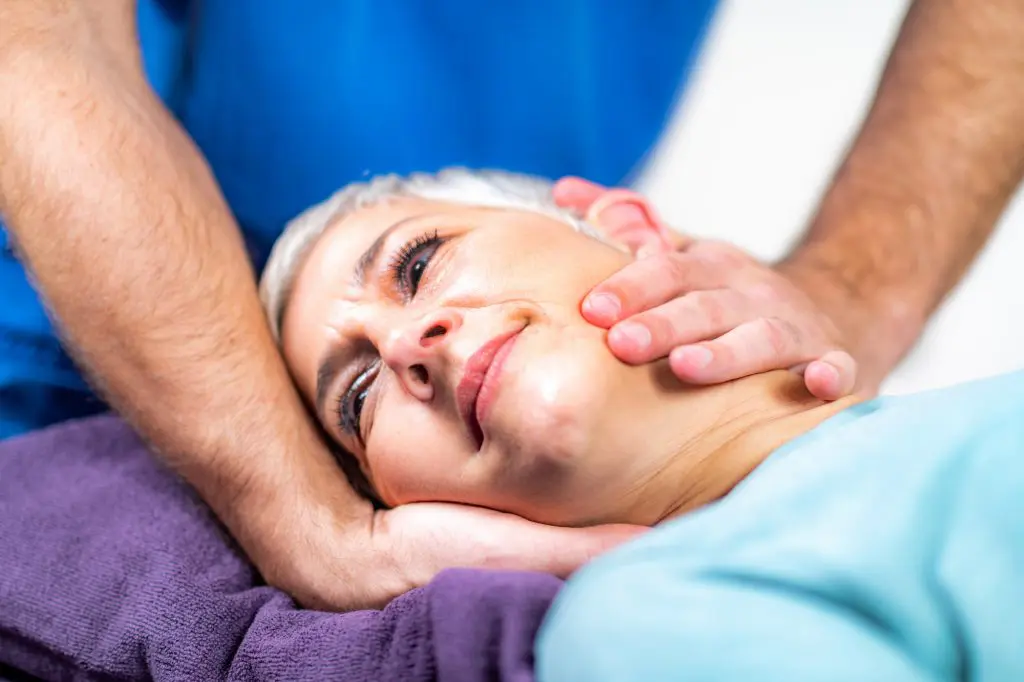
(478, 387)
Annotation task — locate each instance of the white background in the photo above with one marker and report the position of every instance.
(779, 91)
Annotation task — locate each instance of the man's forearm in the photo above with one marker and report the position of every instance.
(926, 179)
(126, 235)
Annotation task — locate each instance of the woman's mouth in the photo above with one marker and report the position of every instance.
(478, 388)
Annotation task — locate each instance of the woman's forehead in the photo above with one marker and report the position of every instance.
(328, 273)
(342, 244)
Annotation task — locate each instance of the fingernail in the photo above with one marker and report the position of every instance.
(832, 373)
(605, 307)
(633, 334)
(829, 376)
(697, 357)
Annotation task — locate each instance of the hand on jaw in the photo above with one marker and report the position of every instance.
(715, 312)
(683, 292)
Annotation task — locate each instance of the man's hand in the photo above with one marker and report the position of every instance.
(426, 538)
(937, 158)
(105, 194)
(717, 313)
(338, 561)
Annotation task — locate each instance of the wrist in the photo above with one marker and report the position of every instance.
(878, 323)
(275, 486)
(308, 533)
(260, 484)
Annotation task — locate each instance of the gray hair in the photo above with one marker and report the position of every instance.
(486, 188)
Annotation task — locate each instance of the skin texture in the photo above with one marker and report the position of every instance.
(688, 291)
(562, 409)
(926, 178)
(91, 156)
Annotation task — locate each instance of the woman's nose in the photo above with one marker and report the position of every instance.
(416, 352)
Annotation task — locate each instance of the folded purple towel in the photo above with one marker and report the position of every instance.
(110, 568)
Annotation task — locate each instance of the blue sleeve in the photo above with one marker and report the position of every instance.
(634, 624)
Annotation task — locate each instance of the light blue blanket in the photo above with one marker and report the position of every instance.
(887, 544)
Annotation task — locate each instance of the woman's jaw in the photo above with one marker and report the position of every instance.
(480, 383)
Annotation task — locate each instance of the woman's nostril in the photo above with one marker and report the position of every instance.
(436, 330)
(419, 373)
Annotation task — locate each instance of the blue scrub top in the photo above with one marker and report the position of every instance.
(290, 101)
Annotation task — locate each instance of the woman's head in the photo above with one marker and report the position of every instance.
(433, 325)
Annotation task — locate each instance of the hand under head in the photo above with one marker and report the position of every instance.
(437, 335)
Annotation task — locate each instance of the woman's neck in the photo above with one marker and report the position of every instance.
(730, 430)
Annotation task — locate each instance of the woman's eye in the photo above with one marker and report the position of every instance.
(351, 402)
(357, 406)
(417, 268)
(411, 263)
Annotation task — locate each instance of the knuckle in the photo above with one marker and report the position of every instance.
(631, 287)
(779, 334)
(624, 283)
(666, 267)
(666, 262)
(712, 307)
(679, 268)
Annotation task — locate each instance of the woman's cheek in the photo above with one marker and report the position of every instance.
(393, 455)
(398, 480)
(552, 402)
(416, 464)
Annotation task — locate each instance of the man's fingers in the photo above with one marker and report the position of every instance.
(646, 283)
(428, 537)
(622, 215)
(561, 551)
(757, 346)
(628, 218)
(697, 316)
(831, 377)
(627, 225)
(676, 240)
(576, 193)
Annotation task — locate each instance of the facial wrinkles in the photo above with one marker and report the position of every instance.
(341, 338)
(371, 315)
(476, 286)
(385, 330)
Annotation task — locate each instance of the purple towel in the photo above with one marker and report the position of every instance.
(110, 568)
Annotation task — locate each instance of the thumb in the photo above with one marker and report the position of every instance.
(576, 194)
(628, 218)
(831, 377)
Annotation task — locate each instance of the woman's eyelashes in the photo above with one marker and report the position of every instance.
(352, 400)
(407, 267)
(405, 270)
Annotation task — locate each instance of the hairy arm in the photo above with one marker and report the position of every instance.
(938, 157)
(121, 223)
(935, 162)
(126, 234)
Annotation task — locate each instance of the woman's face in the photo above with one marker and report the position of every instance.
(443, 346)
